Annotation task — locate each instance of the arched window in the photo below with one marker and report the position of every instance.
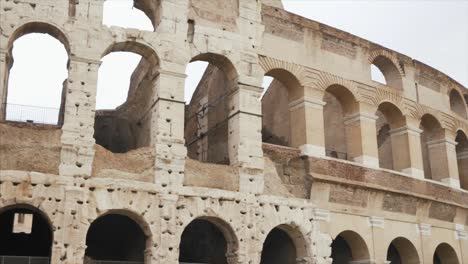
(402, 251)
(35, 94)
(445, 254)
(389, 118)
(116, 237)
(457, 104)
(431, 132)
(340, 103)
(348, 247)
(139, 14)
(284, 245)
(280, 124)
(25, 234)
(125, 97)
(389, 70)
(462, 157)
(207, 113)
(207, 240)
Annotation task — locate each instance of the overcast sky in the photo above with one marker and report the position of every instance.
(434, 32)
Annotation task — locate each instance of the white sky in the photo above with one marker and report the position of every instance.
(434, 32)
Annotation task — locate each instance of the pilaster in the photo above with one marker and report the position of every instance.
(3, 82)
(77, 139)
(443, 160)
(407, 155)
(462, 158)
(307, 126)
(361, 141)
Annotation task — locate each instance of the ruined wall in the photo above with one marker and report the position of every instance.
(207, 118)
(276, 120)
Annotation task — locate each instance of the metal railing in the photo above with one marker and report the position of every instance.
(32, 114)
(23, 260)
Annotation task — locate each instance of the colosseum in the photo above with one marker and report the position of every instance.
(328, 166)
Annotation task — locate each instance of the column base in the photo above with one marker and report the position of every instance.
(415, 173)
(368, 161)
(312, 150)
(454, 183)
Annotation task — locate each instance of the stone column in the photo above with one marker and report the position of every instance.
(167, 129)
(443, 160)
(245, 137)
(377, 226)
(3, 82)
(424, 231)
(407, 155)
(462, 158)
(76, 158)
(361, 138)
(307, 126)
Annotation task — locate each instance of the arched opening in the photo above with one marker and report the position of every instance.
(431, 132)
(402, 251)
(457, 104)
(377, 75)
(349, 246)
(124, 100)
(207, 240)
(34, 93)
(278, 118)
(389, 118)
(138, 14)
(445, 254)
(389, 70)
(115, 237)
(339, 103)
(208, 112)
(25, 235)
(462, 158)
(284, 245)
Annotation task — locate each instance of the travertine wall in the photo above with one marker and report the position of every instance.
(312, 198)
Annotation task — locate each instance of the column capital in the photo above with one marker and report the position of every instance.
(406, 130)
(440, 142)
(424, 229)
(305, 102)
(360, 116)
(376, 221)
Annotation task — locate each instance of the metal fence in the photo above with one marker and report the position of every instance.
(23, 260)
(32, 114)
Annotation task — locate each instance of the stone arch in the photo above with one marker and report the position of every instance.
(445, 254)
(431, 132)
(340, 104)
(462, 157)
(25, 231)
(457, 103)
(403, 251)
(281, 124)
(151, 8)
(269, 64)
(349, 246)
(388, 64)
(122, 231)
(32, 27)
(285, 244)
(40, 27)
(389, 118)
(221, 62)
(209, 111)
(208, 229)
(143, 49)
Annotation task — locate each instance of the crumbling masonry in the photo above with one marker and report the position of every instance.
(327, 167)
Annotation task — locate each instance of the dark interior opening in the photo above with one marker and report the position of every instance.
(278, 248)
(115, 238)
(393, 255)
(341, 252)
(203, 242)
(36, 244)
